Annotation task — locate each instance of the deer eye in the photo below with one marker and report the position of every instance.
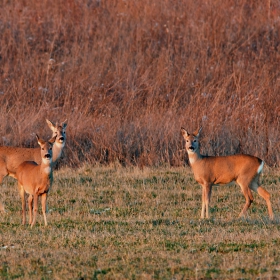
(194, 140)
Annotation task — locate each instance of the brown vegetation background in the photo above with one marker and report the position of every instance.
(128, 74)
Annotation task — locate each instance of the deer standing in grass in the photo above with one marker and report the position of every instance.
(36, 180)
(245, 170)
(12, 157)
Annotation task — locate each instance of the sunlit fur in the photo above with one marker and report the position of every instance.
(36, 180)
(243, 169)
(12, 157)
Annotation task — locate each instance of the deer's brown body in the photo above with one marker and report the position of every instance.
(36, 180)
(243, 169)
(12, 157)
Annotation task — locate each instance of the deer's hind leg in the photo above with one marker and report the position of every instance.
(248, 196)
(3, 173)
(264, 194)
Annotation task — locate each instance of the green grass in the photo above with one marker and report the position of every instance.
(116, 223)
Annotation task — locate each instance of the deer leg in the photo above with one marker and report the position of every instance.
(44, 201)
(249, 199)
(203, 203)
(207, 199)
(264, 194)
(30, 201)
(22, 195)
(3, 173)
(2, 208)
(35, 209)
(206, 195)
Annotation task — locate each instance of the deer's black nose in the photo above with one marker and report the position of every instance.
(48, 156)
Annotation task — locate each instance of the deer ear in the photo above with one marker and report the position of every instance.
(184, 132)
(197, 132)
(64, 124)
(50, 124)
(40, 141)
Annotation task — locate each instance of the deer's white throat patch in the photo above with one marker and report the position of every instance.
(192, 157)
(60, 145)
(57, 150)
(46, 161)
(47, 169)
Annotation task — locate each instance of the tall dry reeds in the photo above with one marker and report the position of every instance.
(128, 74)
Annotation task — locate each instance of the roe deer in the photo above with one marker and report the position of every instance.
(36, 180)
(244, 169)
(60, 133)
(12, 157)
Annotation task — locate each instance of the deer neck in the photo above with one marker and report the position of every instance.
(57, 151)
(46, 167)
(194, 156)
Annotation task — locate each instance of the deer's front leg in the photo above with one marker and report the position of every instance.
(30, 201)
(35, 209)
(44, 201)
(206, 195)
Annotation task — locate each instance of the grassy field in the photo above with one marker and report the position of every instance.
(117, 223)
